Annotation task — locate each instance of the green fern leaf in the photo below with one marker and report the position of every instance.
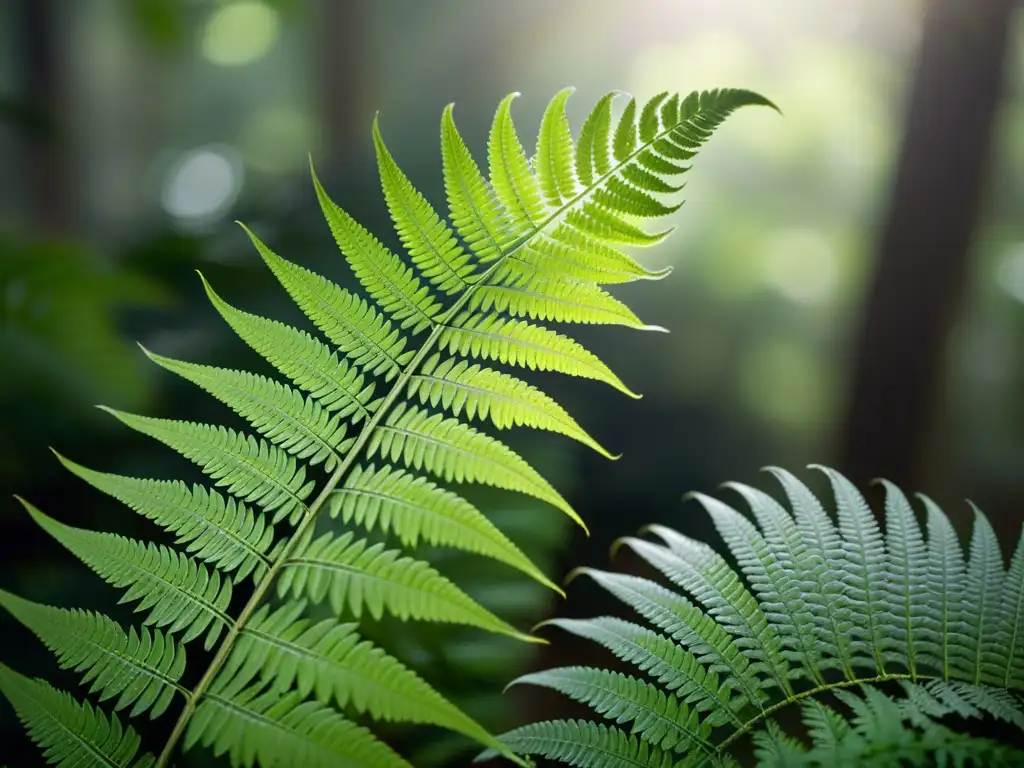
(248, 468)
(517, 342)
(267, 729)
(864, 568)
(476, 215)
(685, 623)
(624, 143)
(310, 364)
(1010, 645)
(593, 157)
(329, 659)
(431, 244)
(299, 425)
(769, 573)
(820, 598)
(946, 583)
(69, 733)
(658, 718)
(140, 668)
(513, 181)
(586, 745)
(674, 669)
(351, 323)
(906, 580)
(415, 508)
(706, 576)
(483, 393)
(178, 592)
(555, 153)
(530, 240)
(392, 285)
(980, 606)
(358, 577)
(221, 532)
(453, 451)
(542, 298)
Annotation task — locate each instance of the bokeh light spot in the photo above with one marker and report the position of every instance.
(202, 185)
(240, 33)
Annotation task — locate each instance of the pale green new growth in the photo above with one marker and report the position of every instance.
(386, 401)
(875, 637)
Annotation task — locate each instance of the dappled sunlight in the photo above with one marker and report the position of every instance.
(240, 32)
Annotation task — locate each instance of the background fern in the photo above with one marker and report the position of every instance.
(376, 414)
(873, 636)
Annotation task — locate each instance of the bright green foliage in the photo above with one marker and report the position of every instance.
(70, 733)
(373, 420)
(874, 636)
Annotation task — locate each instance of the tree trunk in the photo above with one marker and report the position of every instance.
(922, 254)
(46, 159)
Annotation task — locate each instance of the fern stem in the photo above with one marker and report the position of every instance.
(764, 714)
(238, 626)
(310, 517)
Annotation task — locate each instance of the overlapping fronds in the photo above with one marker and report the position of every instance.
(385, 401)
(876, 636)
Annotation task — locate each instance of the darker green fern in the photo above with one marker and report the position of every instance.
(388, 394)
(874, 636)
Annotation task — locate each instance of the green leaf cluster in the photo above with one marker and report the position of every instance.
(374, 415)
(876, 636)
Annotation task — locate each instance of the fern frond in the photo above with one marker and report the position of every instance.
(139, 668)
(264, 728)
(1011, 624)
(980, 609)
(413, 508)
(178, 592)
(484, 393)
(309, 363)
(299, 425)
(517, 342)
(476, 214)
(528, 294)
(585, 745)
(771, 577)
(248, 468)
(432, 246)
(376, 400)
(69, 733)
(659, 718)
(360, 578)
(456, 452)
(392, 285)
(330, 660)
(351, 323)
(512, 180)
(554, 161)
(674, 669)
(705, 575)
(864, 569)
(906, 580)
(219, 531)
(678, 618)
(833, 615)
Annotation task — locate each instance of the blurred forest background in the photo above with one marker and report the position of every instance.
(848, 281)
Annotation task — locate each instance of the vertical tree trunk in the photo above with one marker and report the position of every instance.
(925, 240)
(342, 70)
(46, 160)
